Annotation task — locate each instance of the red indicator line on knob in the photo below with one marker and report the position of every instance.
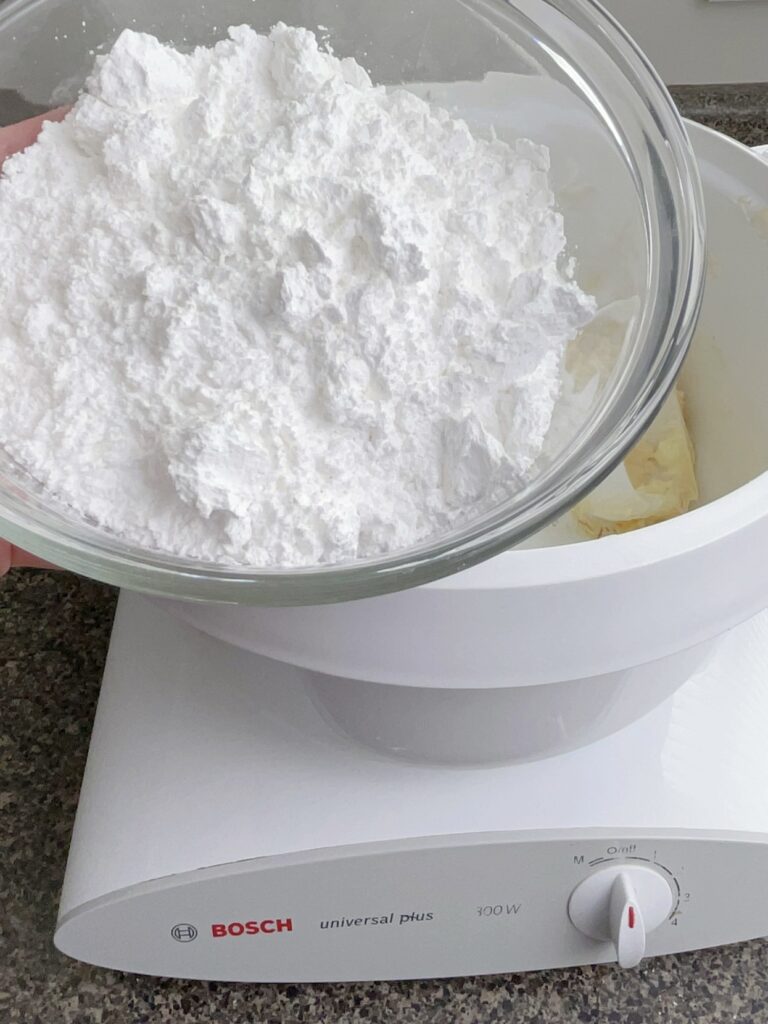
(631, 916)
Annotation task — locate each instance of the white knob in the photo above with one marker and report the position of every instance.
(621, 903)
(627, 922)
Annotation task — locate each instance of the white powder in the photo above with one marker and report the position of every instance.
(255, 310)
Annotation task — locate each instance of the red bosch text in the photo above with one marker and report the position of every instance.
(269, 926)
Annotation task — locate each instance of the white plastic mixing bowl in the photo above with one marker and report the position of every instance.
(545, 648)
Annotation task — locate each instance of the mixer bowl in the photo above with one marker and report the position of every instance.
(555, 644)
(554, 70)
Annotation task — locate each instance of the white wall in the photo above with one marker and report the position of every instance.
(700, 41)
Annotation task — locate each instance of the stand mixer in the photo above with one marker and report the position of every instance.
(551, 758)
(304, 802)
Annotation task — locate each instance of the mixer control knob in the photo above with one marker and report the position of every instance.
(621, 904)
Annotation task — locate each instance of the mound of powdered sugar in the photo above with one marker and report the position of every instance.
(255, 310)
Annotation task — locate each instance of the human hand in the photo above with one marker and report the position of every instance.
(13, 139)
(12, 557)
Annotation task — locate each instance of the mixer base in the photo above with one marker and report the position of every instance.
(227, 831)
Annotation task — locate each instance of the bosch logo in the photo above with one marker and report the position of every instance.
(184, 932)
(269, 926)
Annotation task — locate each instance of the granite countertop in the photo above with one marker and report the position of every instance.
(54, 630)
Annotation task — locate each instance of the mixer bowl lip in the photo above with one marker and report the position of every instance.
(618, 555)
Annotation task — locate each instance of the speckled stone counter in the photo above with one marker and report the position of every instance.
(738, 110)
(54, 630)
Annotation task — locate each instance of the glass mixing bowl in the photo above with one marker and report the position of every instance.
(561, 72)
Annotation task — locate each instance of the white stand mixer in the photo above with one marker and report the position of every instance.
(228, 829)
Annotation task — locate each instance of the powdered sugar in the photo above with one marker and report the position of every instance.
(255, 310)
